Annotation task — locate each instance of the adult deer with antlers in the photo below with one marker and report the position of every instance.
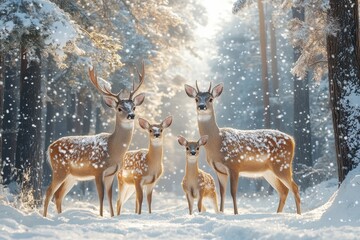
(94, 157)
(254, 153)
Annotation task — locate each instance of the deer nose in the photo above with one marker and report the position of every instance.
(131, 116)
(157, 135)
(193, 153)
(202, 107)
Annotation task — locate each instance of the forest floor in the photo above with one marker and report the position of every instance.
(328, 213)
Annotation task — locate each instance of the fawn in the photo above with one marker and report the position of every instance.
(197, 183)
(142, 167)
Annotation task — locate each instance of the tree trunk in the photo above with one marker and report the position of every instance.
(264, 70)
(87, 115)
(302, 125)
(71, 113)
(29, 152)
(9, 126)
(264, 77)
(274, 75)
(50, 114)
(98, 124)
(344, 79)
(2, 81)
(49, 138)
(60, 121)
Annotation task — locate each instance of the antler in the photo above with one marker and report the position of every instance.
(197, 87)
(103, 89)
(141, 79)
(209, 87)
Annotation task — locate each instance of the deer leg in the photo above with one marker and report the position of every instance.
(295, 190)
(190, 200)
(108, 182)
(125, 192)
(215, 202)
(222, 185)
(281, 189)
(62, 191)
(136, 206)
(121, 196)
(149, 191)
(234, 178)
(129, 192)
(139, 196)
(100, 188)
(200, 204)
(290, 184)
(57, 181)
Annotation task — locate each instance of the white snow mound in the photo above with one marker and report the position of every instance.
(344, 205)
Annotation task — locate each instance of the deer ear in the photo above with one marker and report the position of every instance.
(217, 90)
(190, 91)
(139, 99)
(203, 140)
(182, 141)
(110, 101)
(144, 124)
(167, 122)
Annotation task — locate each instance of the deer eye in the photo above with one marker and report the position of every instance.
(119, 109)
(134, 108)
(197, 148)
(161, 130)
(197, 100)
(188, 148)
(210, 100)
(150, 131)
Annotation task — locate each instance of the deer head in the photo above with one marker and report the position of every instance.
(192, 148)
(125, 108)
(155, 130)
(204, 100)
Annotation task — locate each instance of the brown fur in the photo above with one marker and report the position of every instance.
(93, 157)
(196, 183)
(257, 153)
(142, 167)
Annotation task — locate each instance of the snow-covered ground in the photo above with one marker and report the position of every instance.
(328, 213)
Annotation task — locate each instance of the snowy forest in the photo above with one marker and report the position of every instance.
(111, 106)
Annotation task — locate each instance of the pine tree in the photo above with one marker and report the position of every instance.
(344, 79)
(302, 127)
(29, 140)
(10, 112)
(33, 27)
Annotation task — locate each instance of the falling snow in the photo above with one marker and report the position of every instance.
(183, 42)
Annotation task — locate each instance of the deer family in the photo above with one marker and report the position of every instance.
(197, 183)
(94, 157)
(142, 167)
(254, 153)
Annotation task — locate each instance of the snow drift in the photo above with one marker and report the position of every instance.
(324, 217)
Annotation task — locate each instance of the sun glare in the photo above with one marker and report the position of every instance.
(218, 13)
